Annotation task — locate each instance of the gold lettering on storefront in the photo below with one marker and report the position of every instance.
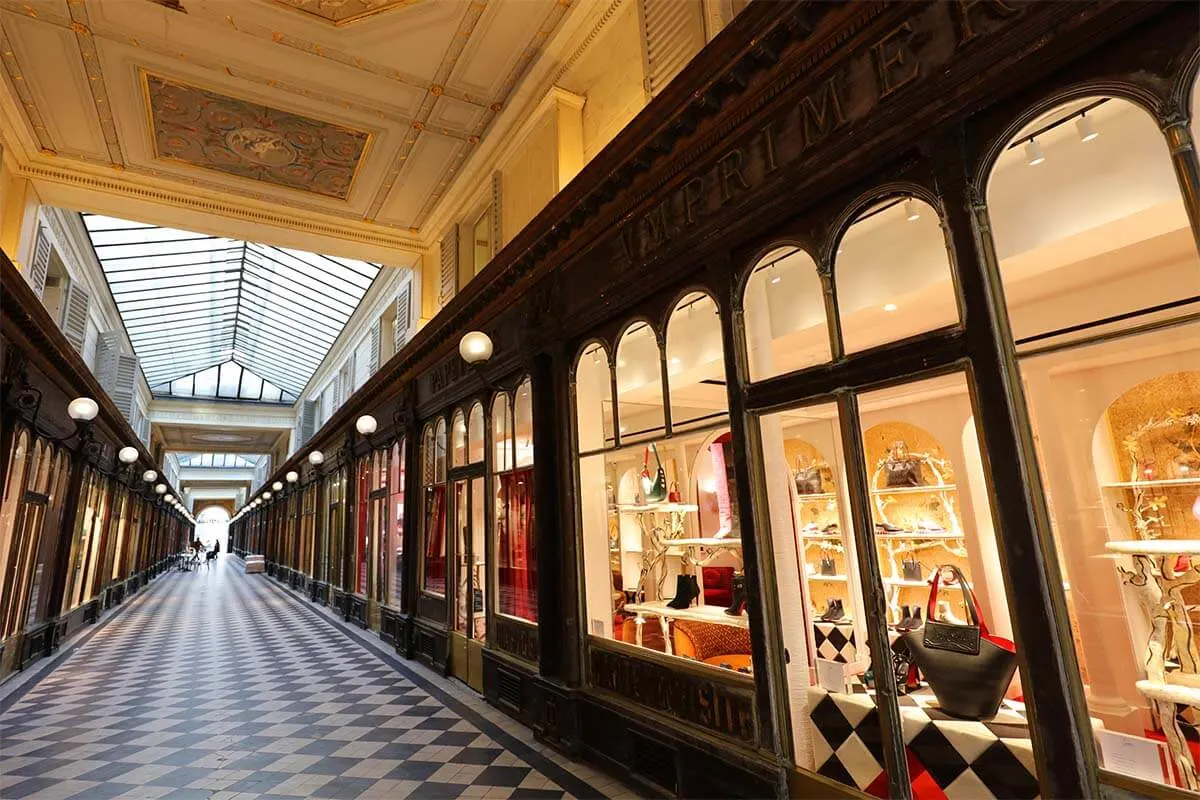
(851, 91)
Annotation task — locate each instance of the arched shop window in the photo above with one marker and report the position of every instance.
(458, 440)
(14, 490)
(1102, 281)
(335, 526)
(696, 364)
(892, 275)
(783, 309)
(433, 506)
(514, 531)
(475, 435)
(468, 523)
(661, 554)
(395, 547)
(640, 384)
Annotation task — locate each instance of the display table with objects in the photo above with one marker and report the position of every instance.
(255, 564)
(947, 756)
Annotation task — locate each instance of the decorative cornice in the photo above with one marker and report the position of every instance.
(126, 188)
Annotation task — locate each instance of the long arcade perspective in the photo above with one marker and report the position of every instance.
(599, 398)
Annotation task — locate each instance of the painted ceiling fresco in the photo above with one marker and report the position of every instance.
(238, 137)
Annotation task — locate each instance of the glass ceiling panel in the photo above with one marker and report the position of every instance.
(218, 460)
(216, 317)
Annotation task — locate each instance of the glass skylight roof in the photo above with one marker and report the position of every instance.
(193, 304)
(219, 460)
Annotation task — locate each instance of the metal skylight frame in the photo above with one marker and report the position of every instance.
(218, 460)
(191, 302)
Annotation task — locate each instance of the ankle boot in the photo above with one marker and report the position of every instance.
(839, 611)
(915, 621)
(830, 611)
(739, 597)
(686, 590)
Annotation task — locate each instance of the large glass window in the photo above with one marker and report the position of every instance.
(362, 531)
(433, 507)
(378, 526)
(470, 585)
(33, 499)
(1102, 281)
(395, 548)
(331, 539)
(784, 313)
(662, 556)
(515, 533)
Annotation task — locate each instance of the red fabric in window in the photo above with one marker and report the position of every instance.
(435, 539)
(517, 546)
(360, 550)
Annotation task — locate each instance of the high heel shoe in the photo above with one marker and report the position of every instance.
(687, 589)
(740, 598)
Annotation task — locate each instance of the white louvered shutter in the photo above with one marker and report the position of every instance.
(124, 393)
(39, 267)
(497, 185)
(376, 339)
(117, 372)
(449, 267)
(672, 35)
(75, 319)
(403, 316)
(308, 420)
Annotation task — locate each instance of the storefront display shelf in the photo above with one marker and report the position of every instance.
(644, 508)
(659, 608)
(1158, 482)
(832, 578)
(703, 541)
(909, 536)
(834, 536)
(817, 496)
(938, 487)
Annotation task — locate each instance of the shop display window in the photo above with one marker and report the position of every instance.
(129, 562)
(892, 275)
(470, 587)
(515, 533)
(662, 555)
(362, 531)
(32, 502)
(124, 501)
(10, 523)
(1102, 282)
(376, 544)
(784, 315)
(939, 578)
(331, 543)
(88, 537)
(395, 546)
(433, 506)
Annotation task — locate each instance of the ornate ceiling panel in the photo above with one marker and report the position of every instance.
(250, 140)
(359, 111)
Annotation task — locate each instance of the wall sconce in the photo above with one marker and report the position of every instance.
(316, 458)
(292, 476)
(167, 498)
(266, 495)
(149, 475)
(475, 347)
(366, 425)
(127, 455)
(277, 486)
(160, 488)
(83, 409)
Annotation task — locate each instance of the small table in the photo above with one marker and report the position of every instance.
(660, 609)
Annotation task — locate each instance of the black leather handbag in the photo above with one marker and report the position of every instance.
(910, 569)
(808, 481)
(827, 566)
(903, 472)
(968, 669)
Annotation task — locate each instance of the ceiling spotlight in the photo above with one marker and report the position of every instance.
(890, 307)
(292, 476)
(160, 488)
(83, 409)
(911, 212)
(149, 475)
(475, 347)
(1033, 153)
(316, 457)
(775, 275)
(1087, 131)
(127, 455)
(277, 486)
(366, 424)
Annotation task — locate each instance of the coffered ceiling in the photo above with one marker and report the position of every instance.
(355, 110)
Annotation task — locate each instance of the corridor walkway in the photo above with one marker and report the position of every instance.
(216, 684)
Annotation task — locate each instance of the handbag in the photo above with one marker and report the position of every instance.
(827, 566)
(808, 480)
(910, 569)
(968, 668)
(903, 472)
(654, 490)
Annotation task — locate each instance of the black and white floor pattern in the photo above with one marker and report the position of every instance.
(215, 685)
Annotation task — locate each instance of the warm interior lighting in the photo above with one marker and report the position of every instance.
(1033, 153)
(911, 212)
(890, 307)
(266, 495)
(1087, 131)
(160, 488)
(475, 347)
(168, 498)
(127, 455)
(366, 424)
(149, 475)
(83, 409)
(277, 485)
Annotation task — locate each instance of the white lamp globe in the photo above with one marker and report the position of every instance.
(292, 476)
(366, 424)
(83, 409)
(168, 498)
(127, 455)
(149, 475)
(475, 347)
(266, 495)
(277, 486)
(316, 457)
(160, 488)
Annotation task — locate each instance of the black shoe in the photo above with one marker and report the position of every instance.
(915, 622)
(887, 527)
(833, 612)
(740, 598)
(686, 590)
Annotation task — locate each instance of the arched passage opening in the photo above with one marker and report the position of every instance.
(212, 526)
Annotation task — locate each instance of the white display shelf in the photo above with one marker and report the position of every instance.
(1161, 482)
(703, 542)
(817, 496)
(827, 578)
(921, 583)
(633, 508)
(911, 535)
(831, 536)
(659, 608)
(940, 487)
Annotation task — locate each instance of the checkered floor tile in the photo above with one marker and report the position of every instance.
(214, 685)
